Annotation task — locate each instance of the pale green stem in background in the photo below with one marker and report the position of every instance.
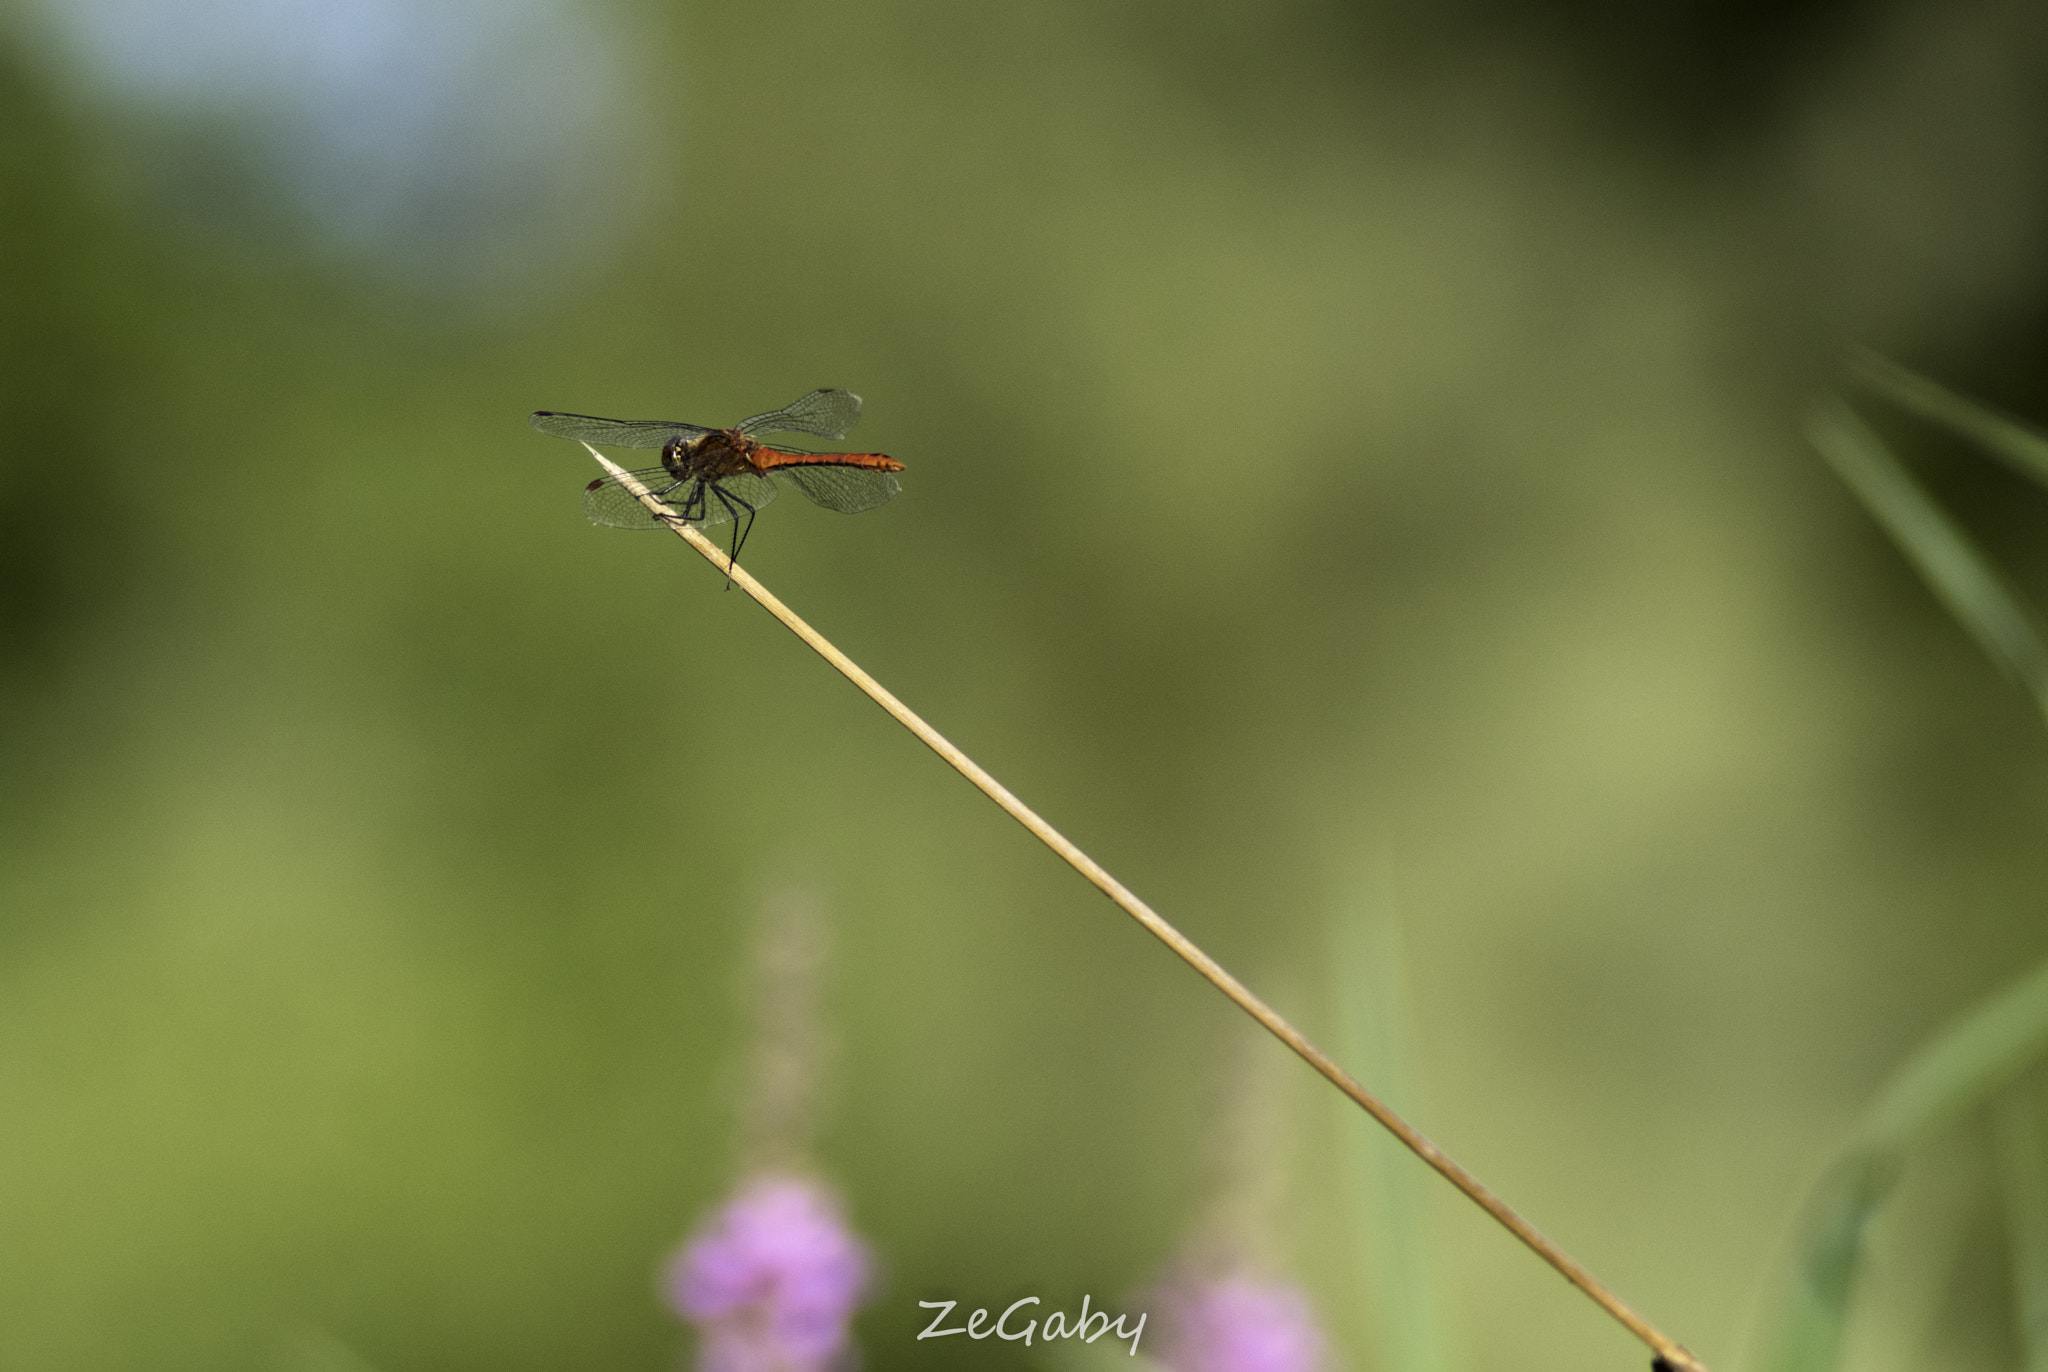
(1374, 1030)
(2020, 1127)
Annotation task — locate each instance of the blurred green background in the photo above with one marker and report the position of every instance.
(1352, 472)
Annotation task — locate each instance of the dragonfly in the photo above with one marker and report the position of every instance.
(725, 476)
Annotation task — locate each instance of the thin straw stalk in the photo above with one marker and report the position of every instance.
(1668, 1353)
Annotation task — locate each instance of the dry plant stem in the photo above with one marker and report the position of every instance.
(1670, 1352)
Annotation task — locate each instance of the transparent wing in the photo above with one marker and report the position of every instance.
(619, 433)
(828, 414)
(700, 502)
(848, 490)
(730, 498)
(608, 503)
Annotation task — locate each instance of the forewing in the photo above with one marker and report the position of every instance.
(848, 490)
(828, 414)
(616, 433)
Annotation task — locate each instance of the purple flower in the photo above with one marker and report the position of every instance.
(1238, 1323)
(772, 1280)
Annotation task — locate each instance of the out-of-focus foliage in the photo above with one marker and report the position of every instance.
(1956, 571)
(1975, 1060)
(1957, 1070)
(1340, 439)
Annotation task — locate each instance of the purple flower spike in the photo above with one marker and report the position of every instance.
(772, 1280)
(1238, 1324)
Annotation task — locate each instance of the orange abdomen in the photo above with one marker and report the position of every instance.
(767, 459)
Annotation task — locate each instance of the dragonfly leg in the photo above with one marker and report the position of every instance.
(733, 505)
(663, 495)
(740, 534)
(689, 509)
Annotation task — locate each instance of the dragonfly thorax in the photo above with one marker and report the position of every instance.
(722, 452)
